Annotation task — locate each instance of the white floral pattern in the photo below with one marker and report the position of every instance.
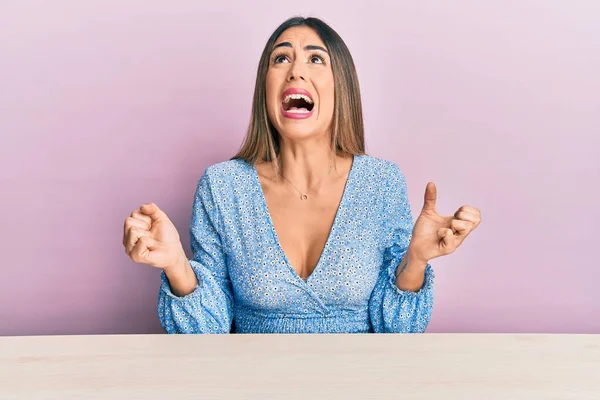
(247, 285)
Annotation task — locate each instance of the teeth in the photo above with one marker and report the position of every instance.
(297, 96)
(298, 111)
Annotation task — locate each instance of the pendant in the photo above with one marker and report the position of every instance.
(303, 197)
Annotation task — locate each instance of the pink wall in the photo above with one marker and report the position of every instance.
(104, 106)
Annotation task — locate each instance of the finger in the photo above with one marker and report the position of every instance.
(135, 234)
(140, 251)
(447, 237)
(133, 223)
(430, 197)
(143, 251)
(467, 216)
(470, 209)
(138, 215)
(151, 210)
(460, 227)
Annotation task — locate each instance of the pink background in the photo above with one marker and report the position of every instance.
(105, 105)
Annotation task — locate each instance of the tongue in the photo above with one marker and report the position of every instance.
(296, 108)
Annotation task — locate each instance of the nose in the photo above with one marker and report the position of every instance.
(297, 71)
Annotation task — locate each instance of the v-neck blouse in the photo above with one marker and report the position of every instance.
(246, 283)
(271, 225)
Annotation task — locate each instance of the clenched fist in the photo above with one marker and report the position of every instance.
(151, 238)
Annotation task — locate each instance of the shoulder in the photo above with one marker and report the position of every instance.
(223, 179)
(227, 171)
(386, 171)
(221, 183)
(230, 179)
(225, 175)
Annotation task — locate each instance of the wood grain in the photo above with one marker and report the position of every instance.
(427, 366)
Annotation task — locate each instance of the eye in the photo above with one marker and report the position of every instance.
(320, 59)
(279, 58)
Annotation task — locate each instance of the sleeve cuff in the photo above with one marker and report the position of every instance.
(166, 288)
(395, 255)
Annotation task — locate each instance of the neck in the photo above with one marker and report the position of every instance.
(306, 165)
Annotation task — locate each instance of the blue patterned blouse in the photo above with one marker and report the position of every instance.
(247, 284)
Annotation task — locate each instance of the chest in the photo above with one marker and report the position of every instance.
(303, 227)
(332, 240)
(340, 265)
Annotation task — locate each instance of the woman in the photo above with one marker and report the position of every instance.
(301, 231)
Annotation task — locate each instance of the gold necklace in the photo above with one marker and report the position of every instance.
(304, 196)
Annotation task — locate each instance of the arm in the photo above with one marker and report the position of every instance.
(196, 294)
(402, 300)
(410, 273)
(181, 276)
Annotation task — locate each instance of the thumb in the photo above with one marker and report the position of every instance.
(145, 252)
(430, 197)
(151, 244)
(153, 212)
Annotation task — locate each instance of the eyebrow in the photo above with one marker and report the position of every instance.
(306, 48)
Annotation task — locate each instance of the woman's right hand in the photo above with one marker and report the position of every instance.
(151, 238)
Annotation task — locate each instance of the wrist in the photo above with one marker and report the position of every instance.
(182, 279)
(415, 261)
(178, 266)
(410, 274)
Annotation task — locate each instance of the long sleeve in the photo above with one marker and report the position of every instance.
(392, 309)
(208, 309)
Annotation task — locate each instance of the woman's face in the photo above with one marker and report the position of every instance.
(300, 87)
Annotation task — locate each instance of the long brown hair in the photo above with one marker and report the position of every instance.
(262, 139)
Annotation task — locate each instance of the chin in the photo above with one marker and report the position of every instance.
(297, 132)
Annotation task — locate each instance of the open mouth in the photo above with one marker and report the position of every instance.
(297, 103)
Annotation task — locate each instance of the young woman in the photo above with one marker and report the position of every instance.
(301, 231)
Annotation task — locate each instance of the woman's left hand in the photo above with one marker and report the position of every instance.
(434, 235)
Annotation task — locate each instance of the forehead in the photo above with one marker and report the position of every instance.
(300, 36)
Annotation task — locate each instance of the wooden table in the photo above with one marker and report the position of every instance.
(425, 366)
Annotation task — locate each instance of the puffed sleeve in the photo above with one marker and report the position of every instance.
(208, 309)
(393, 310)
